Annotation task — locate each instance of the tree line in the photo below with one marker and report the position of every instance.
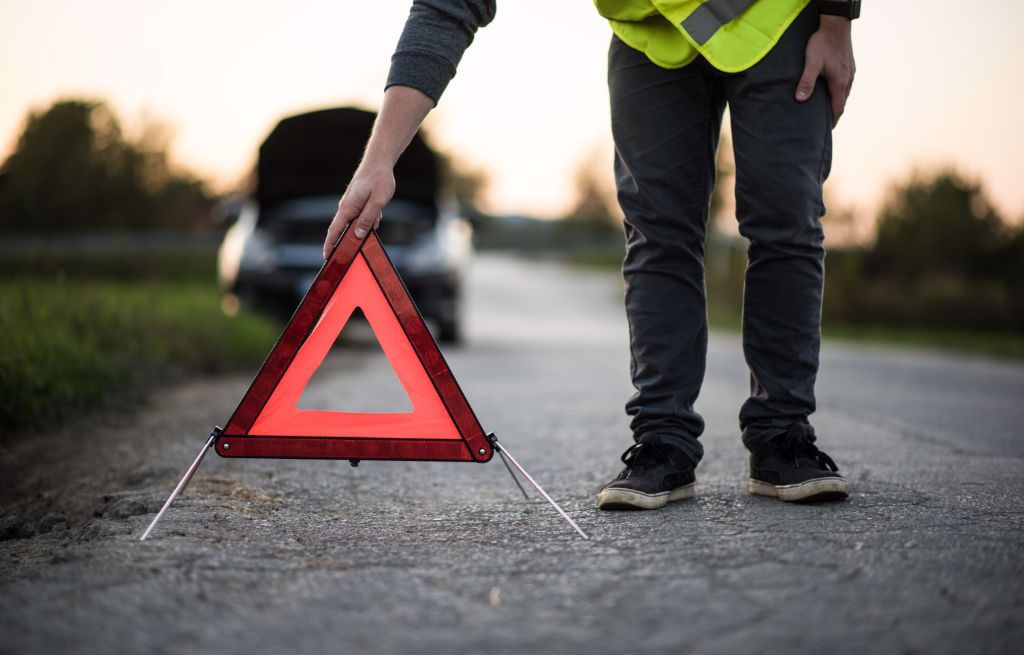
(75, 169)
(942, 255)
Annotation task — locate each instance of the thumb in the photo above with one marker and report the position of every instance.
(812, 69)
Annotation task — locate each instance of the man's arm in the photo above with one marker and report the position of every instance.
(829, 55)
(436, 34)
(373, 183)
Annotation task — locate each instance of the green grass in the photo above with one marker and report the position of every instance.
(178, 266)
(1007, 345)
(605, 259)
(71, 343)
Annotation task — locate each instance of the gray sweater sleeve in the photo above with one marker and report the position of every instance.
(436, 34)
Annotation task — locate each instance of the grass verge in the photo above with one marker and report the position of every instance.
(72, 344)
(1006, 345)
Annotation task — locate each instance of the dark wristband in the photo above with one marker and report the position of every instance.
(845, 8)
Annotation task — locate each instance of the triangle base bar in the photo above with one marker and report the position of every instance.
(452, 450)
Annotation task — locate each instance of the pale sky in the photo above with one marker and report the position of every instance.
(937, 81)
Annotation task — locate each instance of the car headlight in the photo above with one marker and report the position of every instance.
(427, 256)
(258, 254)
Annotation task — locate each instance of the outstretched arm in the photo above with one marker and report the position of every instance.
(373, 184)
(436, 34)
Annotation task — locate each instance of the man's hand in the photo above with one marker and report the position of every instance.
(829, 55)
(373, 184)
(362, 204)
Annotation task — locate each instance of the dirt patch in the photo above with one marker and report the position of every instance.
(111, 465)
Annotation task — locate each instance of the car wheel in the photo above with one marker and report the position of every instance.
(449, 332)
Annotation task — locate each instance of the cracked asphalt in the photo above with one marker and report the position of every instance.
(264, 556)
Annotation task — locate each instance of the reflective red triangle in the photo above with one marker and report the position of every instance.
(441, 425)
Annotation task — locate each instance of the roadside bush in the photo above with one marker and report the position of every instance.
(939, 302)
(69, 345)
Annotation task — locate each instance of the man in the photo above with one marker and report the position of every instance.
(785, 68)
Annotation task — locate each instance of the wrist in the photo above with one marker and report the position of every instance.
(374, 162)
(835, 24)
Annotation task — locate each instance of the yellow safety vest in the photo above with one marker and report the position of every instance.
(732, 35)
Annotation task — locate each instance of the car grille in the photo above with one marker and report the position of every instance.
(313, 231)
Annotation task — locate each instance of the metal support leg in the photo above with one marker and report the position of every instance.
(184, 481)
(504, 452)
(504, 461)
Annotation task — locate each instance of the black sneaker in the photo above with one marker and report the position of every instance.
(655, 475)
(791, 468)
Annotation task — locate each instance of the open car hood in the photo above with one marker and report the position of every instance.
(317, 153)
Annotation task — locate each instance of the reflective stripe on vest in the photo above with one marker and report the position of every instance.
(732, 35)
(705, 20)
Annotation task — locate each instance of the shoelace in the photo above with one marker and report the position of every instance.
(797, 445)
(641, 456)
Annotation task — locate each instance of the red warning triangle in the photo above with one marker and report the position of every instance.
(441, 425)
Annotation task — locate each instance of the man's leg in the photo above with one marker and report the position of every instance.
(783, 153)
(666, 125)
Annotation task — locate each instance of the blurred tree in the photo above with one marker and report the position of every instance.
(941, 223)
(842, 229)
(1010, 255)
(467, 183)
(596, 211)
(73, 169)
(942, 258)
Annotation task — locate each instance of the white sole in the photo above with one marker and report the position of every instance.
(820, 489)
(629, 499)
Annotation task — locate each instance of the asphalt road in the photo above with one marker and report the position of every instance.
(311, 557)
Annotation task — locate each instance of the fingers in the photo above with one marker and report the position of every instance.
(839, 87)
(837, 92)
(349, 207)
(812, 70)
(369, 217)
(361, 206)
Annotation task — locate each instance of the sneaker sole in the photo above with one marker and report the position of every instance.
(810, 490)
(627, 499)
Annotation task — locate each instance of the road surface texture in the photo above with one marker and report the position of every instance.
(264, 556)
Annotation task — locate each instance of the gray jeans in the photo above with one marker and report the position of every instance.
(666, 126)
